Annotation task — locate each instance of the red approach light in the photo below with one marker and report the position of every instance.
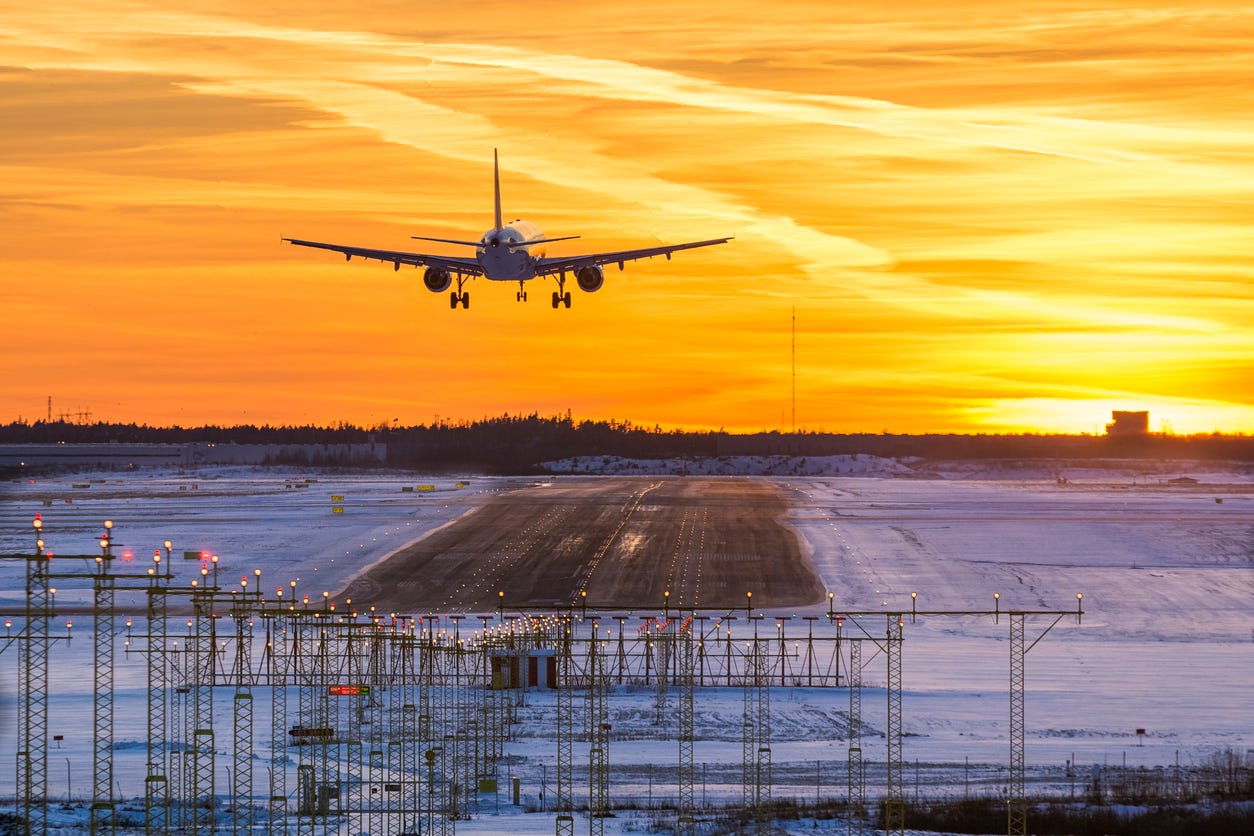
(127, 555)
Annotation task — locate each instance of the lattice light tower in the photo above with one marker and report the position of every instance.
(565, 822)
(242, 712)
(598, 738)
(855, 776)
(102, 811)
(277, 660)
(686, 810)
(32, 750)
(204, 648)
(156, 782)
(894, 804)
(1016, 803)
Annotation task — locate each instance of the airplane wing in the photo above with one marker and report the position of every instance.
(463, 266)
(552, 266)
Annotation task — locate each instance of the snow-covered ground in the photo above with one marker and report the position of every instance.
(280, 521)
(1166, 643)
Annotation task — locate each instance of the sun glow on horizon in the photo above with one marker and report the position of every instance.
(986, 218)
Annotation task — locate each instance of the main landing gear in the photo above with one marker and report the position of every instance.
(459, 295)
(561, 296)
(521, 296)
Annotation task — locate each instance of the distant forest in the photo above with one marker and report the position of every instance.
(518, 443)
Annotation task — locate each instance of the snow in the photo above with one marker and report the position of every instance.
(1166, 642)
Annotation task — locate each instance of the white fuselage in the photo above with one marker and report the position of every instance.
(505, 255)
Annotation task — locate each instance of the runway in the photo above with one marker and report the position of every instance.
(624, 541)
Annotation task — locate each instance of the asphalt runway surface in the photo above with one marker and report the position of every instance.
(625, 542)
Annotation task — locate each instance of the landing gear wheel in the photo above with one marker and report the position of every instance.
(557, 299)
(453, 300)
(566, 299)
(521, 296)
(466, 300)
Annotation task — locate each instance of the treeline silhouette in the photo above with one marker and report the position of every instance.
(518, 443)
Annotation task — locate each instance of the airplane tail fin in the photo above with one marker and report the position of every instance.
(496, 186)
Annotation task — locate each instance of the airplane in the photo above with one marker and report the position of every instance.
(508, 252)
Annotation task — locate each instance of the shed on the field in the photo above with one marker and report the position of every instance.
(535, 667)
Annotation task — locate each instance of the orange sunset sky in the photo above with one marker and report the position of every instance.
(988, 216)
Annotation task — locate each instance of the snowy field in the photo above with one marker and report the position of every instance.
(1166, 643)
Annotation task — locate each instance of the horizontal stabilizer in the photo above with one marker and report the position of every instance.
(522, 244)
(447, 241)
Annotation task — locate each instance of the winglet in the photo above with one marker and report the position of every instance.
(496, 186)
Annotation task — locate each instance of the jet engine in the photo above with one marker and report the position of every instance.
(436, 280)
(590, 278)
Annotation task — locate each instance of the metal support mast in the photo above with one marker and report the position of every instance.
(242, 774)
(1016, 803)
(856, 779)
(102, 812)
(662, 648)
(565, 823)
(894, 804)
(748, 732)
(764, 770)
(203, 656)
(408, 768)
(598, 750)
(278, 658)
(686, 812)
(156, 782)
(32, 752)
